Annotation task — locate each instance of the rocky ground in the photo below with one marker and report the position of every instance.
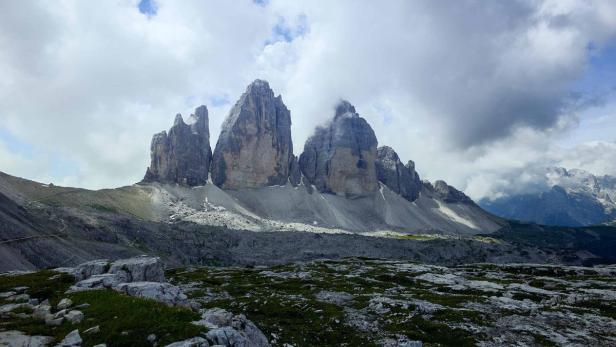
(365, 302)
(347, 302)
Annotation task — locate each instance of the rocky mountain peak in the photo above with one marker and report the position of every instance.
(254, 148)
(340, 157)
(395, 175)
(199, 121)
(345, 108)
(183, 154)
(179, 121)
(449, 194)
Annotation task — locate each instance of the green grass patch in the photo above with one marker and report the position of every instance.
(45, 284)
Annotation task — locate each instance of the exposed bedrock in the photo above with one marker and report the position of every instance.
(447, 193)
(400, 178)
(340, 158)
(254, 148)
(183, 155)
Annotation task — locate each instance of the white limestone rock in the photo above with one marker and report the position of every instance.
(71, 340)
(18, 339)
(163, 292)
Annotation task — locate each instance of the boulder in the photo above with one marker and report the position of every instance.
(96, 282)
(41, 311)
(65, 303)
(138, 269)
(11, 307)
(52, 320)
(90, 268)
(7, 294)
(183, 155)
(71, 340)
(231, 330)
(400, 178)
(163, 292)
(254, 148)
(74, 316)
(18, 298)
(340, 158)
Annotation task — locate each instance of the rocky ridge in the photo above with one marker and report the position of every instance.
(400, 178)
(571, 198)
(254, 153)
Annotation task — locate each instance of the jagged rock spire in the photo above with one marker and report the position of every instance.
(395, 175)
(183, 155)
(340, 157)
(254, 148)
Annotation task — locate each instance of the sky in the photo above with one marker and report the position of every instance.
(482, 94)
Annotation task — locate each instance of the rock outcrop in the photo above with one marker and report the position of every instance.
(139, 276)
(227, 329)
(400, 178)
(183, 155)
(254, 148)
(340, 157)
(448, 193)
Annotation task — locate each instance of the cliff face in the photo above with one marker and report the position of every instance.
(254, 148)
(340, 158)
(400, 178)
(183, 155)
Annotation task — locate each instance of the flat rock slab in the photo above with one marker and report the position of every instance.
(14, 338)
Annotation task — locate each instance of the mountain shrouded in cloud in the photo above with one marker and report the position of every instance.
(493, 87)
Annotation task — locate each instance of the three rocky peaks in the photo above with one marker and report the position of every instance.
(255, 150)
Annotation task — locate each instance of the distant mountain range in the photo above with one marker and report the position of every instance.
(573, 198)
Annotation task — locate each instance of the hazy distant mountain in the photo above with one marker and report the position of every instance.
(573, 198)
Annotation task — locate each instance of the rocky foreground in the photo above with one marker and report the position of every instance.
(349, 302)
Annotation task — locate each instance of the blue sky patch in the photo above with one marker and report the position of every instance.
(16, 145)
(148, 7)
(287, 32)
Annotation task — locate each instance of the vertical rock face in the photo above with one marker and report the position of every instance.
(400, 178)
(340, 158)
(254, 148)
(183, 155)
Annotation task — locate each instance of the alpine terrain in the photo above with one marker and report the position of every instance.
(248, 244)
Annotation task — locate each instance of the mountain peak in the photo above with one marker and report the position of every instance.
(254, 148)
(344, 107)
(178, 120)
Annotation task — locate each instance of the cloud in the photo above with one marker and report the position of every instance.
(473, 92)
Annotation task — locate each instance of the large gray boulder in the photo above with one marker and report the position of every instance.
(72, 339)
(183, 155)
(143, 268)
(254, 148)
(103, 274)
(400, 178)
(231, 330)
(162, 292)
(340, 157)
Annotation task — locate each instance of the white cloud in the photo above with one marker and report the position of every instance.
(473, 92)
